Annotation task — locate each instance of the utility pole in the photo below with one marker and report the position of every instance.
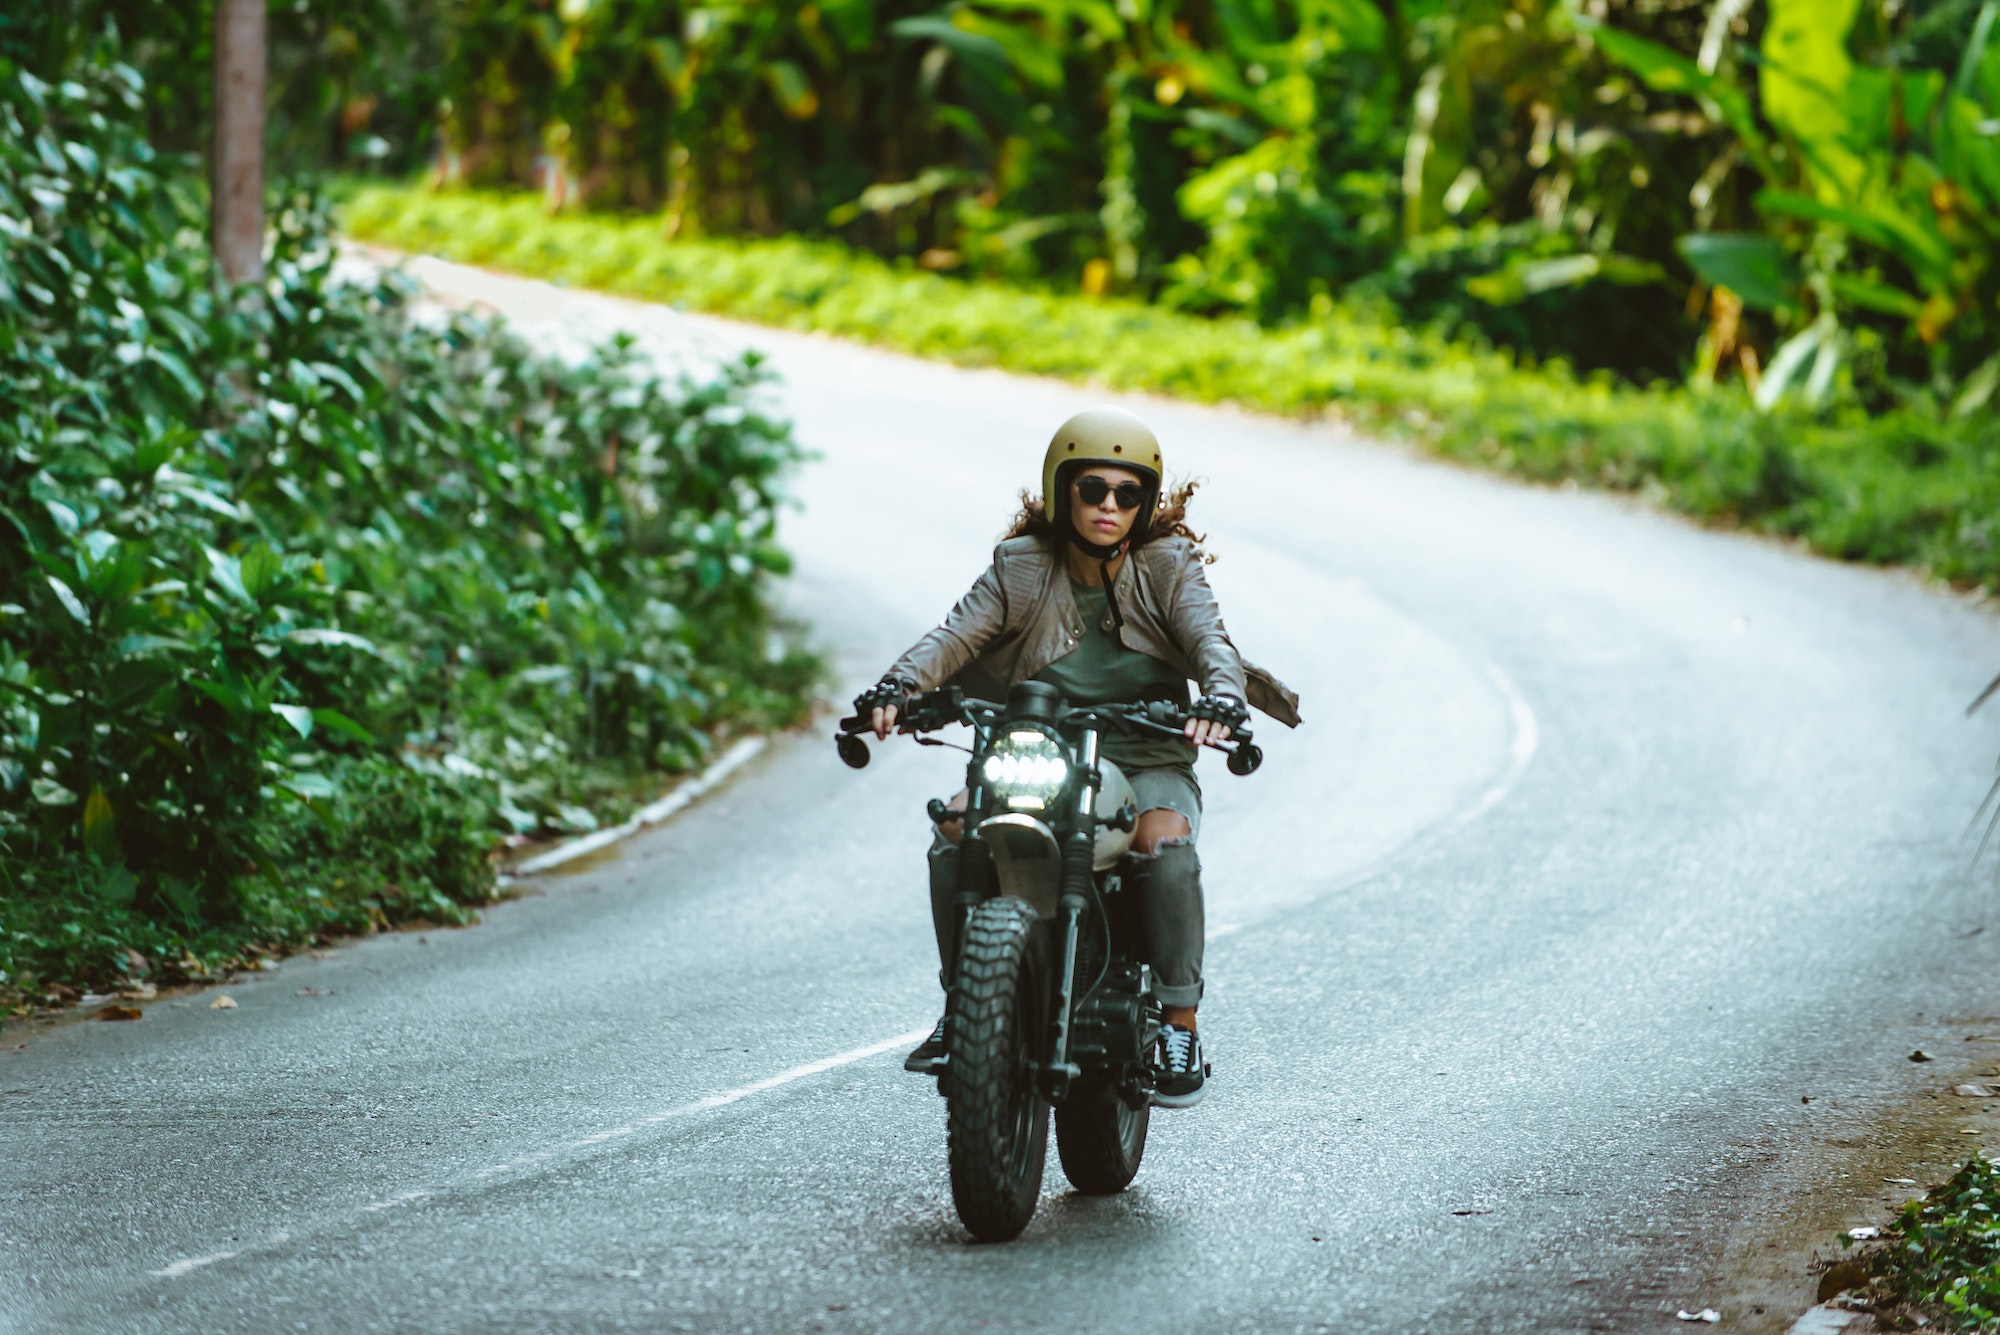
(236, 169)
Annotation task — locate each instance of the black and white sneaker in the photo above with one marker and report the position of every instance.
(1179, 1072)
(925, 1056)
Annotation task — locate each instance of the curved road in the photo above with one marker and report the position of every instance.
(1605, 843)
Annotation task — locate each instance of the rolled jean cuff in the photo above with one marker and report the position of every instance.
(1168, 995)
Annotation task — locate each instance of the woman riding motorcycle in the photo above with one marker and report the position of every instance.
(1099, 591)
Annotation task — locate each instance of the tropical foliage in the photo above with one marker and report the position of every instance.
(1799, 192)
(1269, 157)
(344, 92)
(307, 599)
(1796, 193)
(1877, 211)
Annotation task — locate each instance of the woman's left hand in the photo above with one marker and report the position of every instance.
(1205, 725)
(1205, 732)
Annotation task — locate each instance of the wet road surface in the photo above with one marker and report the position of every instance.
(1605, 840)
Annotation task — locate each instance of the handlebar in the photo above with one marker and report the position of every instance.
(947, 705)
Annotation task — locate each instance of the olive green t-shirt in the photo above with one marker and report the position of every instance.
(1101, 671)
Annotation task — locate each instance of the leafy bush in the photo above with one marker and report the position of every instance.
(1940, 1258)
(1901, 488)
(306, 601)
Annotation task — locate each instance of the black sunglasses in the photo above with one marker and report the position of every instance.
(1093, 490)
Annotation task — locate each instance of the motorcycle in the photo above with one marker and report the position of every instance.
(1049, 1005)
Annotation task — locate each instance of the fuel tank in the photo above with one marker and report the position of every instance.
(1115, 794)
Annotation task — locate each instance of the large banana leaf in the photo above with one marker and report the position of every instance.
(1804, 78)
(1756, 268)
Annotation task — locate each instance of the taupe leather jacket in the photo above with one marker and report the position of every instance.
(1019, 617)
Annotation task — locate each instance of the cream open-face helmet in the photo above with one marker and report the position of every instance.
(1100, 436)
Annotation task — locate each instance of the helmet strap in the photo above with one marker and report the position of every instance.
(1111, 595)
(1104, 554)
(1097, 551)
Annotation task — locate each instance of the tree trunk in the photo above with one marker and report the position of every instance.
(236, 180)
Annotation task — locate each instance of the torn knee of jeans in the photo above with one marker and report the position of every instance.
(1164, 846)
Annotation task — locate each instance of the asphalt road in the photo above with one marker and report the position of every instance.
(1605, 841)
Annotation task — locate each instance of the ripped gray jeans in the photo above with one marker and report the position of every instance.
(1168, 883)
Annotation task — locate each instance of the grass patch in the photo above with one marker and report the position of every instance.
(1904, 488)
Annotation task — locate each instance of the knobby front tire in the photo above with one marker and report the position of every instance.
(998, 1122)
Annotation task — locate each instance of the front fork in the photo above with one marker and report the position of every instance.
(975, 884)
(1078, 855)
(975, 859)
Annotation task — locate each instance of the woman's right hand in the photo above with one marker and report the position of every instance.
(881, 703)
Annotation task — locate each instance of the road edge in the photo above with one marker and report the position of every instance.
(653, 813)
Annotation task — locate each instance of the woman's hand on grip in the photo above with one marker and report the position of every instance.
(1204, 732)
(881, 703)
(1213, 719)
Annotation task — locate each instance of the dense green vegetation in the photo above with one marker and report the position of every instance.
(1902, 486)
(306, 599)
(1800, 194)
(352, 83)
(1940, 1259)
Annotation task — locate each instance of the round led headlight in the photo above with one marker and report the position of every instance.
(1027, 770)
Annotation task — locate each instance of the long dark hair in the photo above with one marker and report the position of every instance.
(1168, 520)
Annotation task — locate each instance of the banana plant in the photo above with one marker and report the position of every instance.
(1879, 195)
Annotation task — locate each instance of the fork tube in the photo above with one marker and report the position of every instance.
(1078, 854)
(1086, 791)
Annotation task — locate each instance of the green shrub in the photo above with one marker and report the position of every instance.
(1900, 488)
(306, 601)
(1939, 1261)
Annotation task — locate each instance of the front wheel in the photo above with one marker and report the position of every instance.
(998, 1121)
(1101, 1139)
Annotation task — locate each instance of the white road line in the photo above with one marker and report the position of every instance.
(176, 1269)
(179, 1268)
(1527, 739)
(729, 1096)
(735, 758)
(1524, 741)
(787, 1077)
(395, 1201)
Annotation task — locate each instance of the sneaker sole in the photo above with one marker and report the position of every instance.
(1187, 1100)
